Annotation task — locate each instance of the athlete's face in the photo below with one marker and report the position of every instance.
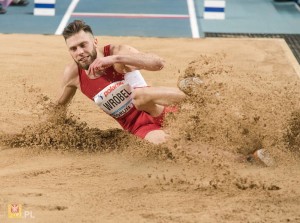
(83, 48)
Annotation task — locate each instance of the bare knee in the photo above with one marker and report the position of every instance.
(143, 101)
(140, 98)
(156, 137)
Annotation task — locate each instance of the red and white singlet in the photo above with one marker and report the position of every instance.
(112, 93)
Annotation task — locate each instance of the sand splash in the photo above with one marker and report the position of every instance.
(60, 129)
(236, 111)
(221, 121)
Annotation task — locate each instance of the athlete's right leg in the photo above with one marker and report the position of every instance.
(156, 136)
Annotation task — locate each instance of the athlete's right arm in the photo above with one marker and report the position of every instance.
(70, 83)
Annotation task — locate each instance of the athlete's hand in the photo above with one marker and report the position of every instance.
(97, 68)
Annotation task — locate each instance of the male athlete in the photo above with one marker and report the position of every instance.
(110, 77)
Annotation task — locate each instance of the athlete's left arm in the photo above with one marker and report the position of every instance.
(132, 59)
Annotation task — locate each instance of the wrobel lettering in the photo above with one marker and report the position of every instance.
(116, 99)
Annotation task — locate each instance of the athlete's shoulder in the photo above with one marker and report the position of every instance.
(71, 69)
(71, 74)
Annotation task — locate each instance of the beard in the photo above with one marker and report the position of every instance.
(85, 65)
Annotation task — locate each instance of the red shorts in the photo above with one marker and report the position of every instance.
(140, 123)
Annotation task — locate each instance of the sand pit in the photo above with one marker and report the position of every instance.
(79, 166)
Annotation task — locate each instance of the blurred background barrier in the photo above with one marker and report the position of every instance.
(44, 7)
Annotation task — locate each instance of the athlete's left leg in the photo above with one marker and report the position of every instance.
(153, 99)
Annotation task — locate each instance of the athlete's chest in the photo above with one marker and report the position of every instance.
(90, 87)
(113, 93)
